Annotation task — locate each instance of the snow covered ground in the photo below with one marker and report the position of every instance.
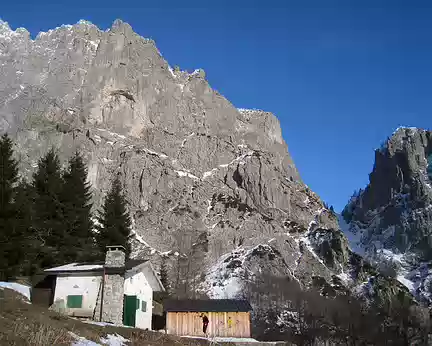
(109, 340)
(22, 289)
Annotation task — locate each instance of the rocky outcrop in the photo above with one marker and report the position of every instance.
(390, 220)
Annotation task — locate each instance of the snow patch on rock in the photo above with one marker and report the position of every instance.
(187, 174)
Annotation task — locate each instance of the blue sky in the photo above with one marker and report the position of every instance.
(339, 75)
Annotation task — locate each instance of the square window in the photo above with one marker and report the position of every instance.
(137, 304)
(74, 301)
(144, 306)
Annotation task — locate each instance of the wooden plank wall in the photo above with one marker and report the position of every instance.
(190, 323)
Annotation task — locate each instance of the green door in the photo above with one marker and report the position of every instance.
(129, 310)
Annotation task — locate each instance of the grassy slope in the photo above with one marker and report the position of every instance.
(23, 324)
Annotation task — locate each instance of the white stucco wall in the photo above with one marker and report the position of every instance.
(85, 284)
(137, 285)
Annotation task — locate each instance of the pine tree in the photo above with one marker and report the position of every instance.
(76, 200)
(8, 182)
(30, 244)
(48, 219)
(114, 219)
(164, 277)
(8, 176)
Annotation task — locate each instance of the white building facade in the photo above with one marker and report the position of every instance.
(120, 295)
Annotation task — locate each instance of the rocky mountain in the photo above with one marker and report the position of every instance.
(212, 188)
(390, 220)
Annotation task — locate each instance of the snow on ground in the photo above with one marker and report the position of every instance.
(114, 340)
(80, 341)
(109, 340)
(22, 289)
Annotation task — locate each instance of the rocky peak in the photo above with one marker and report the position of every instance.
(390, 220)
(401, 165)
(8, 35)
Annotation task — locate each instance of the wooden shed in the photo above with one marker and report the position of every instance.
(227, 317)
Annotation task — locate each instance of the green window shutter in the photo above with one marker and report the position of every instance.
(137, 304)
(74, 301)
(143, 306)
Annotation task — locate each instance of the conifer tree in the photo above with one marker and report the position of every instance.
(164, 277)
(48, 219)
(30, 244)
(76, 201)
(8, 182)
(114, 219)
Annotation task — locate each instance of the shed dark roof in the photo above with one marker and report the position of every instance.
(209, 305)
(132, 263)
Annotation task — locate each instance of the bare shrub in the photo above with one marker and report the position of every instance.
(38, 334)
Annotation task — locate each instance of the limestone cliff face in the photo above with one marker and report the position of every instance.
(204, 179)
(390, 221)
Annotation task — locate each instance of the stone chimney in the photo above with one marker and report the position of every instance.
(113, 290)
(115, 257)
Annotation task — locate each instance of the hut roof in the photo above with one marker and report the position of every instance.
(208, 305)
(90, 267)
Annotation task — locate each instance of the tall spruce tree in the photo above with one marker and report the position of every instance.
(76, 200)
(48, 210)
(9, 248)
(114, 219)
(164, 278)
(30, 244)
